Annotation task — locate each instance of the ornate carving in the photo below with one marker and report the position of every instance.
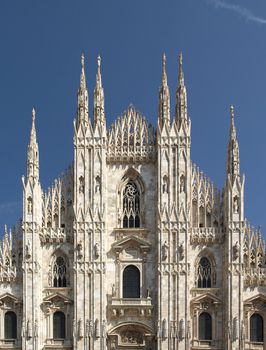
(131, 337)
(165, 248)
(131, 138)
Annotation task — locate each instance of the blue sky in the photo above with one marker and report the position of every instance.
(224, 50)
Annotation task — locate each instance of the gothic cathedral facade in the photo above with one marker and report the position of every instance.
(133, 247)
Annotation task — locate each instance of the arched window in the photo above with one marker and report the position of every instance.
(10, 325)
(256, 328)
(204, 273)
(131, 282)
(201, 216)
(59, 272)
(131, 205)
(205, 326)
(59, 325)
(194, 212)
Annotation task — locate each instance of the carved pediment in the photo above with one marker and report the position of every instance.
(131, 247)
(57, 298)
(9, 300)
(257, 299)
(131, 241)
(207, 298)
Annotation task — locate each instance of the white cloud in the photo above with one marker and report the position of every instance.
(9, 206)
(242, 11)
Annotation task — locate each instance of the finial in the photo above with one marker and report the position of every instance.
(232, 111)
(82, 60)
(164, 60)
(99, 61)
(180, 59)
(33, 114)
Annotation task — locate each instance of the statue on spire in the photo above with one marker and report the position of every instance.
(233, 160)
(181, 95)
(164, 97)
(99, 112)
(33, 152)
(83, 99)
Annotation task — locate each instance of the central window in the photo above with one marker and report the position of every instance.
(131, 206)
(131, 282)
(59, 272)
(204, 273)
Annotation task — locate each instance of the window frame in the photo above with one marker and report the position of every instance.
(254, 339)
(16, 325)
(210, 320)
(64, 330)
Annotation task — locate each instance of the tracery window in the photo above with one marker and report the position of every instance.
(59, 325)
(59, 272)
(131, 282)
(204, 273)
(205, 326)
(131, 205)
(256, 328)
(10, 325)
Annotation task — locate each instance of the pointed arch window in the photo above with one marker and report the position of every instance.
(10, 325)
(59, 272)
(204, 273)
(59, 325)
(256, 328)
(131, 205)
(205, 326)
(131, 282)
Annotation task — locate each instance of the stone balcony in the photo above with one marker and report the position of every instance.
(207, 344)
(254, 276)
(54, 235)
(206, 235)
(8, 273)
(56, 344)
(131, 307)
(10, 343)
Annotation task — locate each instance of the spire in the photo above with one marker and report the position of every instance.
(233, 160)
(99, 113)
(33, 152)
(83, 100)
(181, 95)
(164, 97)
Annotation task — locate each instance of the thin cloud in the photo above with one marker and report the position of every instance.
(9, 206)
(242, 11)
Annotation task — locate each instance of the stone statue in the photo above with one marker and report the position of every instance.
(29, 205)
(236, 207)
(182, 184)
(181, 251)
(243, 330)
(29, 329)
(113, 290)
(182, 329)
(165, 250)
(96, 250)
(80, 328)
(97, 328)
(81, 185)
(236, 251)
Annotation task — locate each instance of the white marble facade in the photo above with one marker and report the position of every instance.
(133, 247)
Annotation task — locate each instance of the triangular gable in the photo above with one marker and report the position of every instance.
(260, 297)
(9, 296)
(119, 245)
(51, 297)
(208, 296)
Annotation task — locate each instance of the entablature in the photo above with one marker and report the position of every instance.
(254, 276)
(206, 235)
(131, 307)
